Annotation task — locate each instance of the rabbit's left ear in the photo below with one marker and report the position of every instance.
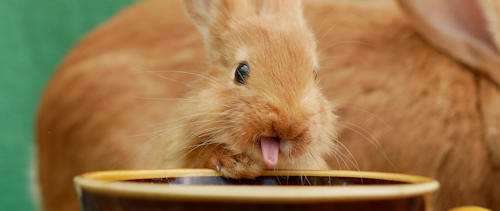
(468, 30)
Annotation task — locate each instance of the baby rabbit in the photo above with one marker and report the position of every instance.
(259, 89)
(254, 104)
(145, 90)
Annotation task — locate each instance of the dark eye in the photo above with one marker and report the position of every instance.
(241, 74)
(315, 75)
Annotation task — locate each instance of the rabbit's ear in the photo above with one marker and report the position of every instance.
(468, 30)
(199, 11)
(288, 9)
(207, 13)
(217, 15)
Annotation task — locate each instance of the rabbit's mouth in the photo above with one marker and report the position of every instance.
(270, 147)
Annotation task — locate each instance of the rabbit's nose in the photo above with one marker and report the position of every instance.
(289, 129)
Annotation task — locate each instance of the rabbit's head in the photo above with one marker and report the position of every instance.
(262, 96)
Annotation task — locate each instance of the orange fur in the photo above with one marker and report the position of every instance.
(121, 99)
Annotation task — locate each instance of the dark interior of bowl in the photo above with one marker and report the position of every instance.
(97, 202)
(269, 180)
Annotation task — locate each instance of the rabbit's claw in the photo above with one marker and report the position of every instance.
(235, 165)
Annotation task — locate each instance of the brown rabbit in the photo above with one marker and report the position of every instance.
(143, 91)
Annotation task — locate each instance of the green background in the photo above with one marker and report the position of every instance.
(34, 37)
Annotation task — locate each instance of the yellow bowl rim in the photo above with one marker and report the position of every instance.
(107, 182)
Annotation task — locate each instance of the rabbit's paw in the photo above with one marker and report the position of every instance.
(234, 165)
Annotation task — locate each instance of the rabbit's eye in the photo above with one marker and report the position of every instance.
(241, 74)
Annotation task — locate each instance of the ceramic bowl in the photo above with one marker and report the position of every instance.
(204, 189)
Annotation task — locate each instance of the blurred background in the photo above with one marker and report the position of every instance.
(34, 37)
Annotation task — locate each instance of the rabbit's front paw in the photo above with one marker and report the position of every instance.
(235, 165)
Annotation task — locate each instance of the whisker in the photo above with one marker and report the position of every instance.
(320, 39)
(365, 134)
(350, 42)
(205, 143)
(351, 107)
(184, 72)
(342, 158)
(336, 158)
(177, 99)
(211, 131)
(315, 158)
(173, 80)
(352, 160)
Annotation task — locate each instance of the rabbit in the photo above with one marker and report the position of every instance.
(250, 85)
(254, 104)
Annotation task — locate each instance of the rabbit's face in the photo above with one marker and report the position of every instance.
(268, 99)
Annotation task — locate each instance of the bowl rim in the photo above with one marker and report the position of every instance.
(108, 183)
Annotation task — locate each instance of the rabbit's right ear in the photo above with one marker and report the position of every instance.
(216, 15)
(199, 13)
(468, 30)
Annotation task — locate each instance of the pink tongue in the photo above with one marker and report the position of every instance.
(270, 150)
